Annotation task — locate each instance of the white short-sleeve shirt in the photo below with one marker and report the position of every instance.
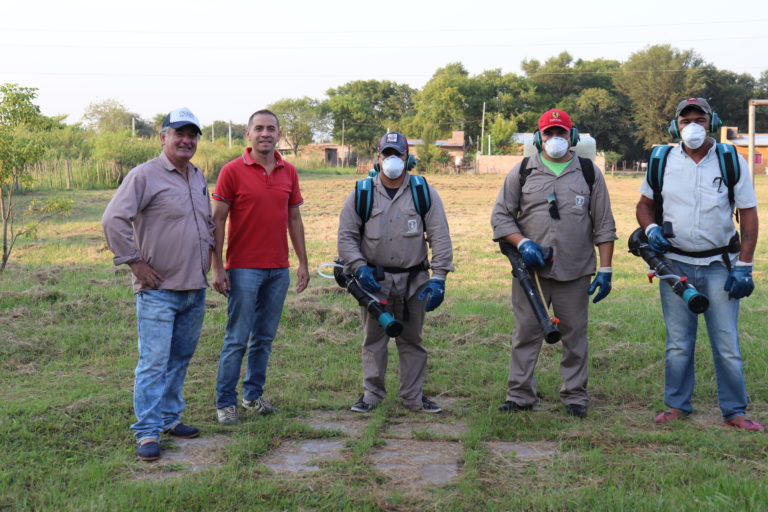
(696, 203)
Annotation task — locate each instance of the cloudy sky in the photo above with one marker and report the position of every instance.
(226, 59)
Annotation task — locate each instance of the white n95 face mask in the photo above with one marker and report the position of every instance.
(693, 135)
(556, 147)
(393, 167)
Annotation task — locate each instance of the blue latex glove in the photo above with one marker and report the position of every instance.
(603, 280)
(532, 254)
(433, 292)
(657, 240)
(364, 276)
(739, 283)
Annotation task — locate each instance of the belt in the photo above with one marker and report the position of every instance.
(379, 271)
(733, 247)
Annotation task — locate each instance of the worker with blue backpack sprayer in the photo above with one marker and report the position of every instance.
(686, 210)
(386, 225)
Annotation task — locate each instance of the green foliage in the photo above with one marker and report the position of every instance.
(431, 158)
(366, 109)
(67, 142)
(441, 104)
(110, 116)
(211, 157)
(655, 80)
(611, 159)
(219, 130)
(118, 146)
(501, 131)
(299, 120)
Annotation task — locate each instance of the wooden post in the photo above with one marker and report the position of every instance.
(69, 175)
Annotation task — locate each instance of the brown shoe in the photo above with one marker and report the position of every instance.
(670, 414)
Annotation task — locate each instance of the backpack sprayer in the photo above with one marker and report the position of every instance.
(370, 302)
(661, 267)
(520, 271)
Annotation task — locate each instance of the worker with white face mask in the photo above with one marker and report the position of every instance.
(556, 200)
(386, 249)
(696, 202)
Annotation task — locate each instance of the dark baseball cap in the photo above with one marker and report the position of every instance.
(699, 103)
(181, 117)
(394, 140)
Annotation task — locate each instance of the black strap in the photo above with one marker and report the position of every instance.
(412, 272)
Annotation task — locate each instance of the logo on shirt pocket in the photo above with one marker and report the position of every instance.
(578, 202)
(413, 226)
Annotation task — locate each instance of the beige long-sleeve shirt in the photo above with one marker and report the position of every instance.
(585, 219)
(160, 217)
(394, 236)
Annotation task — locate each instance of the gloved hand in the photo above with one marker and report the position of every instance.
(364, 276)
(532, 254)
(433, 292)
(656, 240)
(739, 283)
(603, 280)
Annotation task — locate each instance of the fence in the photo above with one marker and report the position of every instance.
(74, 174)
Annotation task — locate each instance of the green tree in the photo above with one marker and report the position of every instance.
(110, 115)
(655, 80)
(441, 104)
(603, 115)
(361, 111)
(20, 146)
(501, 130)
(299, 118)
(122, 150)
(728, 94)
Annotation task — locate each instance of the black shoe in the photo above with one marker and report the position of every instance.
(362, 406)
(183, 431)
(580, 411)
(148, 451)
(512, 407)
(428, 405)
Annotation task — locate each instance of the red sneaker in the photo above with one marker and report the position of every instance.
(746, 424)
(669, 415)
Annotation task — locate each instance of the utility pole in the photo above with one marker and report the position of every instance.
(751, 145)
(212, 125)
(482, 129)
(133, 127)
(489, 144)
(343, 158)
(230, 133)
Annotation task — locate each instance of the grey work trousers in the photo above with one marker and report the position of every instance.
(412, 352)
(569, 301)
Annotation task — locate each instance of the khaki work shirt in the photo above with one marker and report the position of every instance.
(394, 237)
(158, 216)
(585, 219)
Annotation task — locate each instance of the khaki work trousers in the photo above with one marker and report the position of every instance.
(569, 301)
(412, 352)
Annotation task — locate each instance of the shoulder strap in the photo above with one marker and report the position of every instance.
(729, 168)
(655, 178)
(421, 198)
(364, 198)
(524, 172)
(588, 170)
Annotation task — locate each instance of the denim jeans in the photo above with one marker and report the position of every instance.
(722, 326)
(169, 324)
(255, 303)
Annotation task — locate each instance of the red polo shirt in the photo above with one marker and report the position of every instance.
(258, 215)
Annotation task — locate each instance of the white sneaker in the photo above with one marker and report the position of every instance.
(259, 405)
(228, 415)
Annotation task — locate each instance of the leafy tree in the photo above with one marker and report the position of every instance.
(299, 118)
(655, 80)
(728, 94)
(501, 131)
(110, 115)
(123, 150)
(365, 109)
(441, 104)
(603, 115)
(19, 147)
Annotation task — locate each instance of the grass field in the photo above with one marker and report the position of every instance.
(68, 352)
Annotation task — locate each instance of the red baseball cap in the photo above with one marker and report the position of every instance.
(555, 117)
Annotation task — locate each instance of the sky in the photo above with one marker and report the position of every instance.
(226, 59)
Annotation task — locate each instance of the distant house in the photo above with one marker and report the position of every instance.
(454, 146)
(731, 135)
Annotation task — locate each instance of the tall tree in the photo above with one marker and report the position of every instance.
(655, 80)
(299, 119)
(363, 110)
(728, 94)
(442, 103)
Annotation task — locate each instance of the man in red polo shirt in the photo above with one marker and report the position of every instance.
(259, 192)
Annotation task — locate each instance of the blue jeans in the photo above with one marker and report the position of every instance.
(722, 326)
(169, 324)
(255, 304)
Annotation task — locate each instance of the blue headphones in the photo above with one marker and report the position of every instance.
(714, 125)
(574, 138)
